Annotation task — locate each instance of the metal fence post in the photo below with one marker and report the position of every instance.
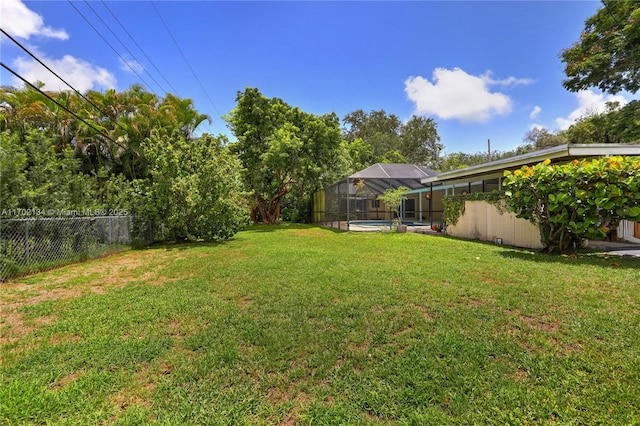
(26, 240)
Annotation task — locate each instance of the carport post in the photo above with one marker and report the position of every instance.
(348, 203)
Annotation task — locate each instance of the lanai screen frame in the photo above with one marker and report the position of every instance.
(347, 200)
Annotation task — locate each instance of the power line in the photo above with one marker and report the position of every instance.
(123, 45)
(111, 46)
(61, 79)
(139, 47)
(185, 59)
(59, 104)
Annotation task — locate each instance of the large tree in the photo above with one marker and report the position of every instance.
(420, 142)
(378, 129)
(283, 150)
(390, 140)
(607, 55)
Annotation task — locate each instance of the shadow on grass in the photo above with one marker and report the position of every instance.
(181, 245)
(261, 227)
(579, 258)
(255, 228)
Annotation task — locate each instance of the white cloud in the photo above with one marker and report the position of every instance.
(20, 21)
(454, 94)
(589, 102)
(535, 112)
(131, 66)
(509, 81)
(535, 126)
(77, 72)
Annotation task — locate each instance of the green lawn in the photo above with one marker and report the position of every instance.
(303, 325)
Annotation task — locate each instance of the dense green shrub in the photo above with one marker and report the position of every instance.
(577, 200)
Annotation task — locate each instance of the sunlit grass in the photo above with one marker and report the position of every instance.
(298, 324)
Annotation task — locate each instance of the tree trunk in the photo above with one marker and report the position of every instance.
(269, 210)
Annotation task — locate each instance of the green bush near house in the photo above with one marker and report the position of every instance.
(577, 200)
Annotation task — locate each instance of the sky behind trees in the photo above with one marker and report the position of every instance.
(481, 70)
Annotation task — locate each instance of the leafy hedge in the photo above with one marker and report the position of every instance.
(576, 200)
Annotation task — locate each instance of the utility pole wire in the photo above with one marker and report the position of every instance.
(139, 47)
(185, 59)
(59, 104)
(61, 79)
(123, 45)
(111, 46)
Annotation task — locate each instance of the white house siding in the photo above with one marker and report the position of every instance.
(627, 232)
(482, 221)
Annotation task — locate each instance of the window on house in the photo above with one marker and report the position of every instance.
(375, 204)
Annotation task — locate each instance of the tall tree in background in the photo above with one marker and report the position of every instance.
(378, 129)
(540, 138)
(420, 142)
(607, 56)
(390, 140)
(283, 150)
(615, 125)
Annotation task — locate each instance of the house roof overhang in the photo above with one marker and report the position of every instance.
(381, 176)
(394, 171)
(556, 154)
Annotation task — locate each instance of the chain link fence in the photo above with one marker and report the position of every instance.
(31, 245)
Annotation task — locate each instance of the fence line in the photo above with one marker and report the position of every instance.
(35, 244)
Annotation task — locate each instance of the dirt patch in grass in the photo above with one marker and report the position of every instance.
(93, 277)
(245, 301)
(64, 381)
(290, 397)
(520, 375)
(13, 326)
(183, 327)
(404, 330)
(140, 391)
(542, 324)
(58, 339)
(424, 311)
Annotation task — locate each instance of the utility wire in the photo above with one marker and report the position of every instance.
(59, 104)
(617, 22)
(61, 79)
(185, 59)
(123, 45)
(139, 47)
(111, 46)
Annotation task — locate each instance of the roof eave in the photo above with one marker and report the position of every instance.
(561, 151)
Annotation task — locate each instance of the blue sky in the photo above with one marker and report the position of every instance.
(482, 70)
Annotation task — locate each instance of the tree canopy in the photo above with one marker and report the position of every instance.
(607, 56)
(284, 151)
(379, 137)
(126, 151)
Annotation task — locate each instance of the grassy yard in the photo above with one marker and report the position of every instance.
(303, 325)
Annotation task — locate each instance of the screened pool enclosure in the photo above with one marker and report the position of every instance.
(353, 200)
